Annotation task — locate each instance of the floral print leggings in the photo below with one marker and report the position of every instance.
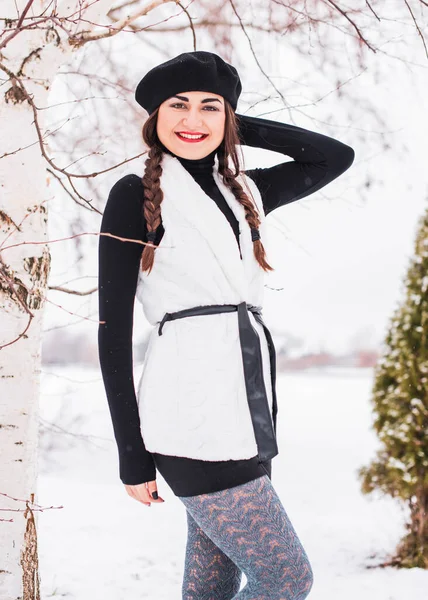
(243, 529)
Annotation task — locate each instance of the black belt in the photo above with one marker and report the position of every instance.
(264, 432)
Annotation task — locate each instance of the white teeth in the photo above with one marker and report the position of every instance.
(191, 137)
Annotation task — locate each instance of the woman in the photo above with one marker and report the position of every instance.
(205, 412)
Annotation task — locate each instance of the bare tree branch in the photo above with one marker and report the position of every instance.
(255, 57)
(354, 25)
(190, 23)
(417, 27)
(60, 288)
(111, 30)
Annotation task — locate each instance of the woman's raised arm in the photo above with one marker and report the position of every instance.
(318, 159)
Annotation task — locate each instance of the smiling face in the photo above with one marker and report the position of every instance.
(191, 124)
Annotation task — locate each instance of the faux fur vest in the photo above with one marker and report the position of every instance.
(191, 393)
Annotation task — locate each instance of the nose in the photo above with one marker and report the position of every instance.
(193, 119)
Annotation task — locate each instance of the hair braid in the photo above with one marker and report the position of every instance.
(251, 214)
(153, 196)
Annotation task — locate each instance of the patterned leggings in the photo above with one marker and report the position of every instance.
(243, 529)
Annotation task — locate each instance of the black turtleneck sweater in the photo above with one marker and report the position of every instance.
(317, 160)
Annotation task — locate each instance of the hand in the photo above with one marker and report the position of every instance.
(142, 492)
(243, 127)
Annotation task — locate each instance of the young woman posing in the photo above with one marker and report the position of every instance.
(205, 412)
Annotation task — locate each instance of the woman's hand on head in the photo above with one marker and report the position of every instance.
(143, 492)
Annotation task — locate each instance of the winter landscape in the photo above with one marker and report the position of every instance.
(104, 545)
(347, 258)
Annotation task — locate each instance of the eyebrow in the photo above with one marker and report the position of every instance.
(185, 99)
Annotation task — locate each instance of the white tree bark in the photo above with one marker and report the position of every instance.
(34, 57)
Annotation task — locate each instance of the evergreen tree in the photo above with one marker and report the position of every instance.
(400, 409)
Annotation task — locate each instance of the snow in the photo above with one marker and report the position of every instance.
(103, 544)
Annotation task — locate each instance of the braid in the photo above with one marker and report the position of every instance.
(251, 214)
(153, 196)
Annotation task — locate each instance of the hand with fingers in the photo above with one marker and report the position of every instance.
(146, 493)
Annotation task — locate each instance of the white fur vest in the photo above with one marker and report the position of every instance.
(191, 394)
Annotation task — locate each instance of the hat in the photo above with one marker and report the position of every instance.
(189, 71)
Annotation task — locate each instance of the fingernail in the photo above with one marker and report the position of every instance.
(155, 495)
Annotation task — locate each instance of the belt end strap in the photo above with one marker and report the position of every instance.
(166, 317)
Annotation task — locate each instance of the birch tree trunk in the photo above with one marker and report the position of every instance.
(29, 61)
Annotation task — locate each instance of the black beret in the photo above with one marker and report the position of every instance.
(190, 71)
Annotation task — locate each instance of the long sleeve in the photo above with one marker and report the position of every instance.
(318, 159)
(119, 264)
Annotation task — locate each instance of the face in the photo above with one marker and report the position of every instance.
(200, 114)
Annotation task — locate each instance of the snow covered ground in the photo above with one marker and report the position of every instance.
(103, 545)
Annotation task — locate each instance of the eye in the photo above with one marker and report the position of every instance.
(181, 104)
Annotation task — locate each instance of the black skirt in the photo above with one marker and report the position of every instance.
(191, 477)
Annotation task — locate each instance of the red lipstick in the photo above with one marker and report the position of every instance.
(190, 140)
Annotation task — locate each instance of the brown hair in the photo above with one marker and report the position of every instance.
(153, 194)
